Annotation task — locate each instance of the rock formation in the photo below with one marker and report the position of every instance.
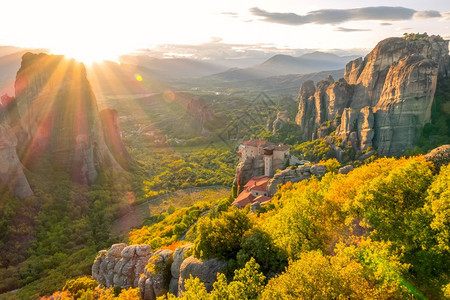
(439, 156)
(206, 271)
(59, 115)
(345, 169)
(112, 132)
(279, 122)
(121, 265)
(295, 175)
(11, 173)
(383, 101)
(201, 114)
(155, 273)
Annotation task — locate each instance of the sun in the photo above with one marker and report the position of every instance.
(87, 55)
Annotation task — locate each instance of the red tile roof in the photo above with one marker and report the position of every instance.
(262, 199)
(258, 183)
(243, 199)
(255, 184)
(265, 144)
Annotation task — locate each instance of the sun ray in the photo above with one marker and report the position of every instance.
(44, 101)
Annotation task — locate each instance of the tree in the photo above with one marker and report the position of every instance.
(221, 237)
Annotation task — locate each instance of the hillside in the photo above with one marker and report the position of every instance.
(378, 230)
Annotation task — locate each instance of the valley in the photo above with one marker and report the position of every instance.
(125, 180)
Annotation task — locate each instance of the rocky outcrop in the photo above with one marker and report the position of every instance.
(206, 271)
(58, 112)
(155, 273)
(178, 258)
(306, 115)
(295, 175)
(201, 114)
(439, 156)
(11, 173)
(280, 121)
(121, 265)
(248, 168)
(154, 282)
(383, 100)
(346, 169)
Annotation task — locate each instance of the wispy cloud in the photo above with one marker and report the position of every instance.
(445, 16)
(343, 29)
(385, 24)
(337, 16)
(230, 13)
(427, 14)
(403, 28)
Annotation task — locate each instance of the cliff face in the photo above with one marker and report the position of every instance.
(58, 112)
(11, 172)
(383, 100)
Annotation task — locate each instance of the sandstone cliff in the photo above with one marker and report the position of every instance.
(59, 115)
(382, 101)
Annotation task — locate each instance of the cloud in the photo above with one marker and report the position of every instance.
(427, 14)
(343, 29)
(445, 16)
(337, 16)
(230, 14)
(403, 28)
(385, 24)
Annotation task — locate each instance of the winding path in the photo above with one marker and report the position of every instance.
(138, 213)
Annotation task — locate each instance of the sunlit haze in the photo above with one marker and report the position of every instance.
(96, 30)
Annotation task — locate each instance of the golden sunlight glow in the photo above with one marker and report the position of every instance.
(87, 55)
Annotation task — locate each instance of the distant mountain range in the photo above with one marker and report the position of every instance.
(156, 74)
(285, 64)
(174, 67)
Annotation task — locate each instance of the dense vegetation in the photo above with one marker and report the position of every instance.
(55, 235)
(380, 231)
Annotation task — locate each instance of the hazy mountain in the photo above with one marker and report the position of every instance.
(285, 84)
(281, 64)
(174, 67)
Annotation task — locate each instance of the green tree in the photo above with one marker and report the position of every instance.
(221, 237)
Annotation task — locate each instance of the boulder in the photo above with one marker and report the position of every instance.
(178, 257)
(318, 170)
(345, 169)
(206, 271)
(439, 156)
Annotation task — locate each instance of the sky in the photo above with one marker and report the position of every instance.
(99, 29)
